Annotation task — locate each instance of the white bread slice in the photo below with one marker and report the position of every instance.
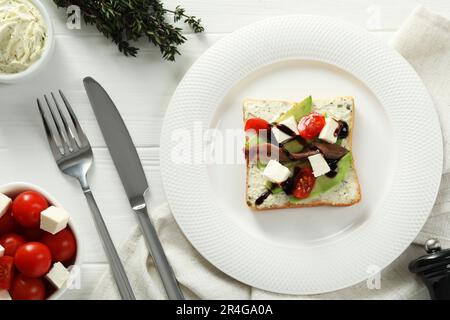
(347, 193)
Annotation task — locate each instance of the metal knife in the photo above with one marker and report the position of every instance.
(129, 167)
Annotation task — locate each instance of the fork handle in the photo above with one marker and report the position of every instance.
(159, 257)
(117, 269)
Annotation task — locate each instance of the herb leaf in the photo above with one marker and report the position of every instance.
(125, 21)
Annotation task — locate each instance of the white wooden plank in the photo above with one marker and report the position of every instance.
(226, 16)
(90, 274)
(141, 88)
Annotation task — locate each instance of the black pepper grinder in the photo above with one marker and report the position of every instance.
(434, 270)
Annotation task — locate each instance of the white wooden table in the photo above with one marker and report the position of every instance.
(141, 88)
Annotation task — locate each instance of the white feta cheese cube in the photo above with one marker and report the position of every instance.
(4, 295)
(2, 251)
(58, 275)
(319, 165)
(280, 135)
(276, 172)
(54, 219)
(291, 123)
(328, 132)
(5, 202)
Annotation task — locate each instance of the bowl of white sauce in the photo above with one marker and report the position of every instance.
(26, 39)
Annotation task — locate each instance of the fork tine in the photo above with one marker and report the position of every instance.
(60, 130)
(49, 133)
(83, 139)
(72, 142)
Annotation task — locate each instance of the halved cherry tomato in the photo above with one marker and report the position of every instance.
(310, 126)
(27, 208)
(6, 272)
(25, 288)
(62, 245)
(7, 224)
(33, 259)
(256, 124)
(303, 183)
(11, 242)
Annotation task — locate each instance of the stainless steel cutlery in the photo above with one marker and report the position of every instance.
(73, 155)
(129, 167)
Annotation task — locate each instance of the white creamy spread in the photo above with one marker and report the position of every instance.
(22, 35)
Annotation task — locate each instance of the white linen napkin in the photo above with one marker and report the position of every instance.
(424, 40)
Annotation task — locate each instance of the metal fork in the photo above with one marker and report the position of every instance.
(74, 158)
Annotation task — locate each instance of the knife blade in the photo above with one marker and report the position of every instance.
(131, 173)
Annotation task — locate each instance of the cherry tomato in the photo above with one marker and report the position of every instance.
(62, 245)
(11, 242)
(25, 288)
(30, 234)
(310, 126)
(7, 224)
(303, 183)
(256, 124)
(6, 272)
(33, 259)
(27, 208)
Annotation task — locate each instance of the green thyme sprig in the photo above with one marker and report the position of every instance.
(126, 21)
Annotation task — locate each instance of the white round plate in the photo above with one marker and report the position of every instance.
(397, 149)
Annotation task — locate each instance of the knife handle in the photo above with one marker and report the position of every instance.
(118, 272)
(159, 257)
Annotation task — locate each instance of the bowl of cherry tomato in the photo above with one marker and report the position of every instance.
(39, 246)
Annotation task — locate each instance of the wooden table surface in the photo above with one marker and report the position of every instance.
(141, 88)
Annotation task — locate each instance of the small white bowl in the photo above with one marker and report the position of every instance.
(13, 189)
(46, 53)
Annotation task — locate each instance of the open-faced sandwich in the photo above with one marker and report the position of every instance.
(299, 154)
